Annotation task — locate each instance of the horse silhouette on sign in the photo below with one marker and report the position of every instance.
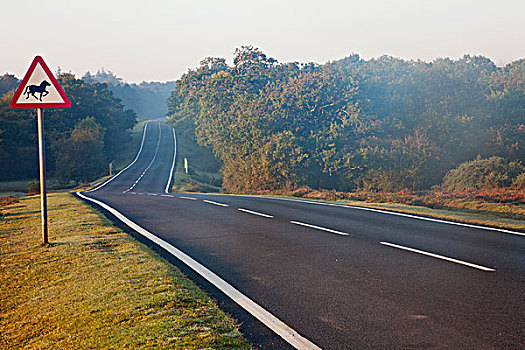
(37, 89)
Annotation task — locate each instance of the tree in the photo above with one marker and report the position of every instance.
(8, 82)
(18, 148)
(18, 145)
(80, 156)
(382, 124)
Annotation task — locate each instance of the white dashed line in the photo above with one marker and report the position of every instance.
(167, 195)
(215, 203)
(479, 267)
(411, 216)
(150, 164)
(190, 198)
(320, 228)
(255, 213)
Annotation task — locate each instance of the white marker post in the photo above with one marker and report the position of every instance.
(39, 89)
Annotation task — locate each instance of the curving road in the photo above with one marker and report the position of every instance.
(329, 276)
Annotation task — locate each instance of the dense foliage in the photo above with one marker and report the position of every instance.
(147, 99)
(380, 124)
(80, 141)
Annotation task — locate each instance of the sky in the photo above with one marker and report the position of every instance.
(154, 40)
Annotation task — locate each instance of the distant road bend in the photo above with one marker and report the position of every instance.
(309, 275)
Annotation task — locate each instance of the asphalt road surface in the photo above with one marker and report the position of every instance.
(341, 277)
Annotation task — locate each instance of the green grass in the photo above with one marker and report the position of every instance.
(96, 287)
(19, 187)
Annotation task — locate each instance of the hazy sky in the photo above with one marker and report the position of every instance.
(159, 40)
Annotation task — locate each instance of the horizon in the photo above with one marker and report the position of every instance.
(160, 41)
(229, 60)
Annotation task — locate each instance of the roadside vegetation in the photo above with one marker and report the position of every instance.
(449, 134)
(80, 141)
(382, 125)
(95, 287)
(502, 208)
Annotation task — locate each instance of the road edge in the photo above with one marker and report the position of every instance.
(287, 333)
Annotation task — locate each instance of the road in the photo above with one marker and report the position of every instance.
(341, 277)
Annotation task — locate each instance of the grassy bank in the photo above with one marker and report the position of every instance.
(187, 183)
(96, 287)
(503, 208)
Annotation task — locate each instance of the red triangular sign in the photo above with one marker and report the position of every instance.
(39, 89)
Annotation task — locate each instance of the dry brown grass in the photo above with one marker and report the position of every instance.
(503, 208)
(96, 287)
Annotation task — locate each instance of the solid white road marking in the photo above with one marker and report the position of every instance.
(255, 213)
(126, 168)
(190, 198)
(215, 203)
(320, 228)
(479, 267)
(279, 327)
(487, 228)
(167, 190)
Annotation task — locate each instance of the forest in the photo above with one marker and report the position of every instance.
(383, 124)
(147, 99)
(80, 141)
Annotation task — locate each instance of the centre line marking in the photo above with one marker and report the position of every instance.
(255, 213)
(190, 198)
(167, 195)
(150, 164)
(215, 203)
(320, 228)
(479, 267)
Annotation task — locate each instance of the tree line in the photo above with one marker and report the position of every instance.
(382, 124)
(147, 99)
(80, 141)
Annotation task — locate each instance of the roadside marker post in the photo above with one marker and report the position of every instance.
(39, 89)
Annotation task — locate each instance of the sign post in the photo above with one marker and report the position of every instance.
(42, 163)
(39, 89)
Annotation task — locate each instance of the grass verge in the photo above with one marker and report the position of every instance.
(459, 207)
(186, 183)
(96, 287)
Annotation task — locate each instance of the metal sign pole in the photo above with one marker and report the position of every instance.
(42, 161)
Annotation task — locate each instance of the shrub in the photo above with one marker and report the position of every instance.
(7, 201)
(519, 182)
(33, 187)
(481, 173)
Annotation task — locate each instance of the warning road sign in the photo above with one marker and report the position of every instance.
(39, 89)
